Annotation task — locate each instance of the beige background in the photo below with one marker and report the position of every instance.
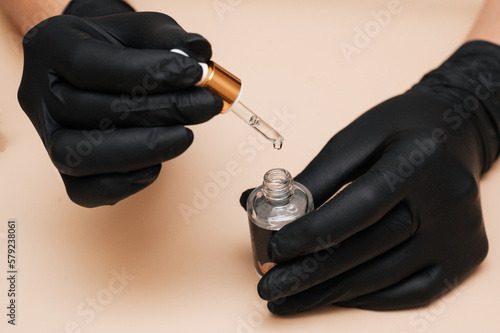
(196, 275)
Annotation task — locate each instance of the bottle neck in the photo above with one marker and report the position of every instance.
(278, 187)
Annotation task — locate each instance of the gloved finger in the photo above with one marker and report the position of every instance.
(157, 31)
(376, 274)
(75, 108)
(83, 153)
(342, 159)
(244, 196)
(417, 290)
(108, 189)
(422, 287)
(302, 273)
(91, 64)
(353, 151)
(358, 206)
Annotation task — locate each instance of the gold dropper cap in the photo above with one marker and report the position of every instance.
(222, 83)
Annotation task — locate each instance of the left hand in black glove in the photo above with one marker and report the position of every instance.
(110, 101)
(409, 224)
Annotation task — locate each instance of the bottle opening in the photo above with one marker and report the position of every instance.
(278, 186)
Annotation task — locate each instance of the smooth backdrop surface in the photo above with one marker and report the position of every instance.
(193, 272)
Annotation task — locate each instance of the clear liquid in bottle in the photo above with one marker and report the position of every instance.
(277, 202)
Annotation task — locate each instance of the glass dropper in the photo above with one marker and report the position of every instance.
(258, 124)
(222, 83)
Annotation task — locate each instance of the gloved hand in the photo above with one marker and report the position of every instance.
(409, 226)
(110, 101)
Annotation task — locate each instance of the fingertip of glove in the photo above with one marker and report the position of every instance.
(147, 177)
(262, 289)
(198, 47)
(178, 140)
(277, 308)
(82, 194)
(107, 190)
(270, 287)
(218, 103)
(201, 107)
(244, 197)
(191, 74)
(273, 309)
(189, 136)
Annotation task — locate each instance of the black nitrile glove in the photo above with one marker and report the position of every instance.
(110, 101)
(409, 225)
(93, 8)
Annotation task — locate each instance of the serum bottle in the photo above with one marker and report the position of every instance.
(277, 202)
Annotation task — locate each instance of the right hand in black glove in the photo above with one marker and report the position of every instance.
(409, 226)
(110, 101)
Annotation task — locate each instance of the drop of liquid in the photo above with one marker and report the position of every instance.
(278, 143)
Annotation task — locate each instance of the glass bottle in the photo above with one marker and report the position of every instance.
(277, 202)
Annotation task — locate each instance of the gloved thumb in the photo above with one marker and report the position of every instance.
(244, 197)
